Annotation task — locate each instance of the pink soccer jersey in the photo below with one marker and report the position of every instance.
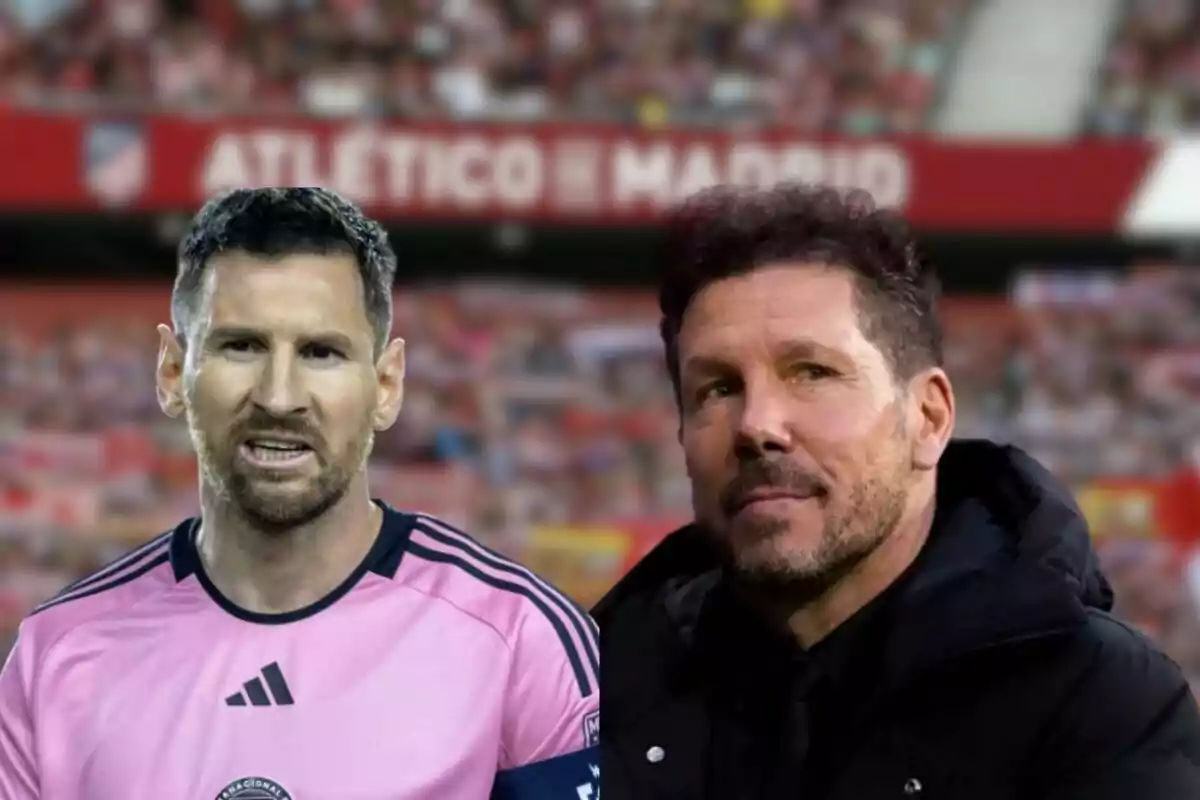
(438, 671)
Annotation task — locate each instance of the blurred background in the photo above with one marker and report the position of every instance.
(520, 152)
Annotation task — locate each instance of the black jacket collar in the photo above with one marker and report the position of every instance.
(1009, 558)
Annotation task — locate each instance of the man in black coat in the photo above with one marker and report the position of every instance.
(864, 608)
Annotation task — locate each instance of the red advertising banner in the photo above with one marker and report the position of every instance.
(565, 173)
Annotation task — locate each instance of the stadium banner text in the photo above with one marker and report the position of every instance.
(576, 174)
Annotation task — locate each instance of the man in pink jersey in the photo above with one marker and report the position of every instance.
(298, 641)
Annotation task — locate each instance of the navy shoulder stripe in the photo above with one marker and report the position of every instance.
(582, 623)
(119, 580)
(581, 676)
(119, 564)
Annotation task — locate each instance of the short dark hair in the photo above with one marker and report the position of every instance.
(721, 232)
(281, 222)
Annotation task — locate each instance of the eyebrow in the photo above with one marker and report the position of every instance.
(334, 339)
(803, 349)
(792, 350)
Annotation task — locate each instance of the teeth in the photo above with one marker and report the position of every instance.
(277, 445)
(270, 453)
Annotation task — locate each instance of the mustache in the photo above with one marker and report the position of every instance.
(767, 474)
(260, 424)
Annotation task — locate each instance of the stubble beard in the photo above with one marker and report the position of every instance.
(276, 512)
(774, 570)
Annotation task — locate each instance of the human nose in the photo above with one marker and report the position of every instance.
(764, 424)
(279, 390)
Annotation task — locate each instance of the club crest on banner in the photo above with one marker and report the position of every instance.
(115, 161)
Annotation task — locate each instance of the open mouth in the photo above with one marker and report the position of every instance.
(272, 453)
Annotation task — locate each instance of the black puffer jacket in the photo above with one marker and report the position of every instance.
(991, 670)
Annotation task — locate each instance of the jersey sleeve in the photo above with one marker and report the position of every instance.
(551, 728)
(18, 770)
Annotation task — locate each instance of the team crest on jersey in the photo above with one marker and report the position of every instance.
(591, 729)
(254, 789)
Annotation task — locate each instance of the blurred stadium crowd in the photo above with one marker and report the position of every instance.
(1151, 78)
(862, 67)
(855, 66)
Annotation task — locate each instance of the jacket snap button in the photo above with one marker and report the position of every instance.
(655, 754)
(912, 787)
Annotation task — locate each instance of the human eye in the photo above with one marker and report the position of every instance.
(239, 346)
(810, 371)
(713, 390)
(323, 352)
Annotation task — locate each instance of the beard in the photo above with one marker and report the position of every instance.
(769, 558)
(277, 506)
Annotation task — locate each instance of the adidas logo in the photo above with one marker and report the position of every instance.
(256, 694)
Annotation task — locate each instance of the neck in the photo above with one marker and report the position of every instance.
(277, 572)
(868, 579)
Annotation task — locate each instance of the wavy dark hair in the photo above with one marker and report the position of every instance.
(721, 232)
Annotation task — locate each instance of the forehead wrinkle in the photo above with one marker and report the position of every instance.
(773, 301)
(250, 296)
